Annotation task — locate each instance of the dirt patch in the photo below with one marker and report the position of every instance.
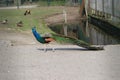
(9, 37)
(72, 16)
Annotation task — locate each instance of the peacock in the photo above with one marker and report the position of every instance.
(41, 39)
(81, 43)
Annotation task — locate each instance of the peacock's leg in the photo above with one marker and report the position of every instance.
(53, 49)
(45, 47)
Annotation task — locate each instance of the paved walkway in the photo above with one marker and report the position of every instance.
(68, 62)
(26, 60)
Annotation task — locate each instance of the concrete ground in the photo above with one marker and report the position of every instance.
(22, 58)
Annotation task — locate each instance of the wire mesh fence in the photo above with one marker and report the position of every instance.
(4, 3)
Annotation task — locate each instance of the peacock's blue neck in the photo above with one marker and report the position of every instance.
(38, 36)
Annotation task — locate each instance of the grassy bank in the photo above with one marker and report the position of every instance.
(35, 19)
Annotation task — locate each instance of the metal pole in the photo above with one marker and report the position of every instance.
(65, 16)
(65, 25)
(86, 7)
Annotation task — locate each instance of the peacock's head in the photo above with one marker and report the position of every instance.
(33, 28)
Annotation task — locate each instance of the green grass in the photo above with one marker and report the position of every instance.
(35, 19)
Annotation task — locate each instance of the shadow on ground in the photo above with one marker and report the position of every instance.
(64, 49)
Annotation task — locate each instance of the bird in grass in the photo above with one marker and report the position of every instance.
(41, 39)
(20, 24)
(4, 21)
(27, 12)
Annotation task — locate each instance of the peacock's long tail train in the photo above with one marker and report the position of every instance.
(82, 43)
